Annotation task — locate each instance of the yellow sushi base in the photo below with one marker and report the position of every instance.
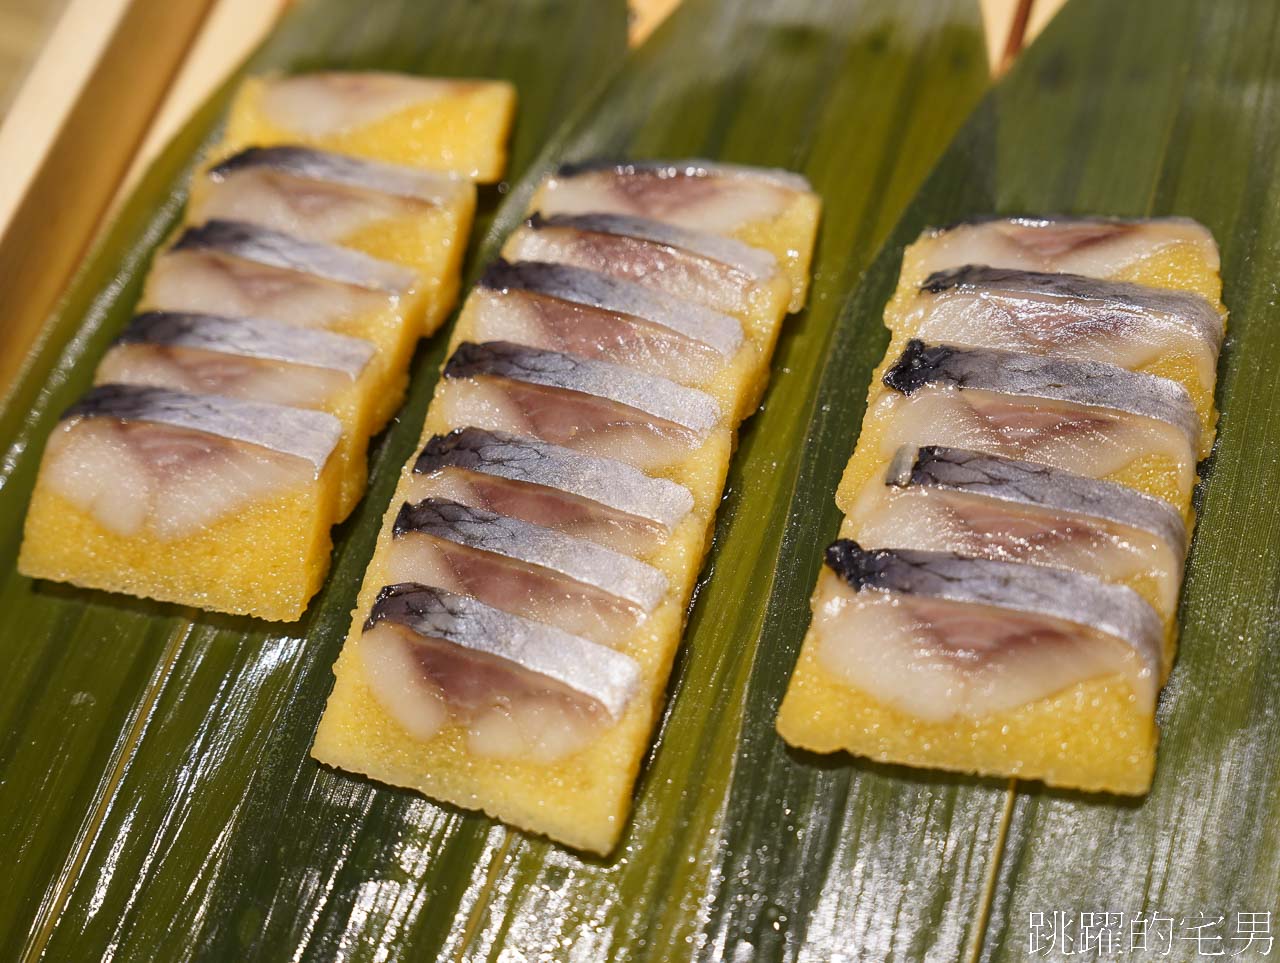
(267, 559)
(789, 237)
(429, 239)
(464, 132)
(1093, 736)
(583, 800)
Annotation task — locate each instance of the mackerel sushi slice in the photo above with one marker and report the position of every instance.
(306, 163)
(526, 569)
(590, 406)
(767, 208)
(517, 688)
(604, 501)
(1069, 316)
(277, 249)
(952, 500)
(316, 196)
(144, 459)
(939, 636)
(593, 315)
(1099, 247)
(694, 194)
(710, 269)
(1087, 417)
(217, 280)
(236, 357)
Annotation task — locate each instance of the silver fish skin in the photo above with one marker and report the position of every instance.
(250, 338)
(586, 562)
(1191, 310)
(581, 286)
(300, 432)
(326, 166)
(274, 248)
(754, 262)
(1092, 383)
(654, 396)
(1055, 593)
(613, 484)
(1027, 483)
(694, 167)
(598, 672)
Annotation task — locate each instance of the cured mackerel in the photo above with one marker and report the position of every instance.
(1167, 252)
(434, 658)
(767, 208)
(598, 499)
(229, 426)
(1088, 417)
(941, 635)
(599, 408)
(708, 269)
(952, 500)
(1002, 596)
(573, 458)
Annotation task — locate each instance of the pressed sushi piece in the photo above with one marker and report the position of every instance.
(480, 707)
(1087, 417)
(934, 659)
(590, 406)
(1165, 252)
(455, 125)
(597, 316)
(602, 500)
(766, 208)
(580, 412)
(403, 215)
(239, 270)
(256, 360)
(1171, 334)
(202, 500)
(520, 567)
(952, 500)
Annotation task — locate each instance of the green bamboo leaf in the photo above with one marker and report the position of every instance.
(88, 674)
(198, 828)
(1143, 108)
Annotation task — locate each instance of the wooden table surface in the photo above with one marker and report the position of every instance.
(88, 95)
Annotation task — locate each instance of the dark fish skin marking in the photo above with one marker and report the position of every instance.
(328, 167)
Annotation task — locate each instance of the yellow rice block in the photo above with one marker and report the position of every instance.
(266, 558)
(441, 124)
(1092, 735)
(582, 800)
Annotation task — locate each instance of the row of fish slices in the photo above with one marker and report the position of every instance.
(998, 512)
(623, 341)
(250, 325)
